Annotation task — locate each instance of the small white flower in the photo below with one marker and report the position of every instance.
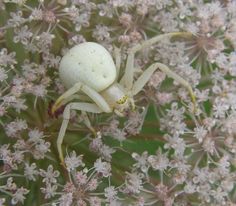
(35, 135)
(73, 161)
(49, 190)
(3, 75)
(133, 183)
(142, 161)
(110, 193)
(95, 201)
(50, 175)
(2, 201)
(189, 188)
(30, 171)
(18, 196)
(102, 167)
(159, 161)
(66, 199)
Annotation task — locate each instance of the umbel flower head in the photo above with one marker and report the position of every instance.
(167, 150)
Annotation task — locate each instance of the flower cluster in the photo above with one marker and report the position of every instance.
(167, 151)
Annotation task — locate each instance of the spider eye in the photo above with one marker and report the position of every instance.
(122, 100)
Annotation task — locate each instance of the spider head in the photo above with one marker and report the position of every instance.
(124, 104)
(118, 99)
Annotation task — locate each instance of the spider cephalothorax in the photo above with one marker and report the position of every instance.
(90, 75)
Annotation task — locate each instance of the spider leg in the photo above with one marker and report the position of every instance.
(118, 61)
(88, 123)
(146, 75)
(99, 105)
(97, 98)
(66, 96)
(93, 94)
(85, 107)
(82, 98)
(74, 97)
(127, 79)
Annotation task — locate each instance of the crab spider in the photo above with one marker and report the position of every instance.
(88, 68)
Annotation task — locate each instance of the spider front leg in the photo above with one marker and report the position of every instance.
(117, 61)
(143, 79)
(70, 94)
(127, 79)
(100, 106)
(86, 107)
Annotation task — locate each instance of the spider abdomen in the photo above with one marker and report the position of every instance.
(89, 63)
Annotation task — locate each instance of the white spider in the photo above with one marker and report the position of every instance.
(89, 68)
